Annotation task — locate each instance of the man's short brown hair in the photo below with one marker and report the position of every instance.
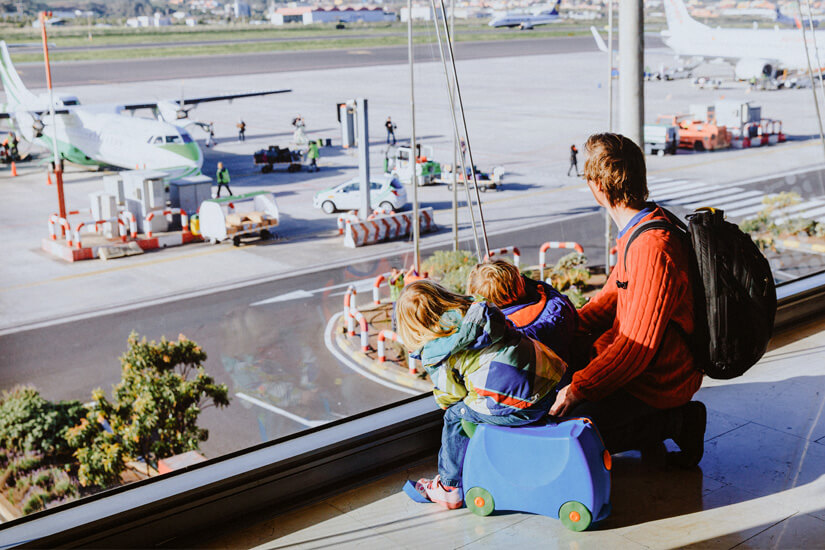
(498, 281)
(617, 166)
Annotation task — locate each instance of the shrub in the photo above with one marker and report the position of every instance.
(30, 423)
(576, 297)
(570, 271)
(451, 268)
(35, 503)
(153, 413)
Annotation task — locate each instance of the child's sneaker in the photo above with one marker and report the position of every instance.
(434, 491)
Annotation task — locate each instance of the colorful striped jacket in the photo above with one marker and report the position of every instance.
(489, 365)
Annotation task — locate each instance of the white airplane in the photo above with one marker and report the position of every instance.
(106, 135)
(753, 52)
(526, 21)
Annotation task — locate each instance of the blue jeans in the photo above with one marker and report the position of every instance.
(454, 441)
(391, 136)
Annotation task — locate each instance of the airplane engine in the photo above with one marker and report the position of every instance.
(753, 68)
(170, 111)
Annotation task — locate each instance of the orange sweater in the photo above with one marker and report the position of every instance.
(636, 349)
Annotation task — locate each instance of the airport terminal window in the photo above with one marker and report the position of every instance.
(280, 345)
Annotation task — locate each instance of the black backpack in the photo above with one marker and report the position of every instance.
(733, 288)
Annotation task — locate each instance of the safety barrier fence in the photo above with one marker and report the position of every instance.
(506, 250)
(343, 219)
(364, 326)
(184, 219)
(386, 227)
(393, 337)
(555, 245)
(95, 226)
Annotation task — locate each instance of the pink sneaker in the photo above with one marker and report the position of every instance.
(434, 491)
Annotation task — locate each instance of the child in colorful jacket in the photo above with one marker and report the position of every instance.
(483, 370)
(537, 310)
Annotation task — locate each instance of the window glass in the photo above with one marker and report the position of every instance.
(173, 139)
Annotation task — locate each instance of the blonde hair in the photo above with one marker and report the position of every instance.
(498, 281)
(618, 166)
(419, 310)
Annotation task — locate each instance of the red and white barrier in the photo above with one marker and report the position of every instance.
(376, 288)
(349, 301)
(382, 336)
(96, 228)
(343, 219)
(507, 250)
(362, 321)
(55, 220)
(386, 227)
(184, 219)
(129, 217)
(555, 245)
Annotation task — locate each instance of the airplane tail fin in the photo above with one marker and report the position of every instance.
(678, 18)
(16, 91)
(555, 10)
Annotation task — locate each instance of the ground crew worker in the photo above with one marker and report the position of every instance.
(313, 156)
(223, 179)
(210, 138)
(241, 131)
(574, 164)
(390, 130)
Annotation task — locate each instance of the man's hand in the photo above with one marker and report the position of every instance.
(565, 401)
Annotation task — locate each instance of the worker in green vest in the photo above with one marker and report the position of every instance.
(222, 176)
(313, 155)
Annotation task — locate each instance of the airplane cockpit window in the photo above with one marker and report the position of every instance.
(70, 102)
(158, 140)
(173, 139)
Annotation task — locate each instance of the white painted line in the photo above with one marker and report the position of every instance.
(294, 295)
(654, 181)
(759, 179)
(679, 184)
(355, 366)
(812, 214)
(719, 195)
(280, 411)
(754, 199)
(804, 205)
(694, 192)
(749, 210)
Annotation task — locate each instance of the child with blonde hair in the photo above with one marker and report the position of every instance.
(482, 369)
(537, 310)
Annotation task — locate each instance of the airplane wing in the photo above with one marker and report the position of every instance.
(196, 100)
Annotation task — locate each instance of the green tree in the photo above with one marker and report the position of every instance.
(153, 412)
(30, 423)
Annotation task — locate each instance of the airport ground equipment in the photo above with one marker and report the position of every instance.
(427, 170)
(386, 191)
(145, 191)
(188, 193)
(661, 139)
(486, 180)
(571, 480)
(277, 157)
(237, 216)
(697, 134)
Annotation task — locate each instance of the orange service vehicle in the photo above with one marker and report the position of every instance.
(698, 135)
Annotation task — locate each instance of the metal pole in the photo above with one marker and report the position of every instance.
(413, 152)
(631, 62)
(811, 72)
(607, 221)
(455, 127)
(363, 156)
(610, 65)
(455, 137)
(466, 139)
(816, 49)
(58, 169)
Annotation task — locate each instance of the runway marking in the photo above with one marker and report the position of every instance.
(280, 411)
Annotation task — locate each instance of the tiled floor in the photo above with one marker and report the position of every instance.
(761, 483)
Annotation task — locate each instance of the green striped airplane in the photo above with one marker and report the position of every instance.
(106, 134)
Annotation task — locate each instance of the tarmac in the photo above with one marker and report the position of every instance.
(529, 137)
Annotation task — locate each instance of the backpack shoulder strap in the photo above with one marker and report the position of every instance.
(673, 223)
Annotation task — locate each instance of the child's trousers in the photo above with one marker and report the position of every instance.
(454, 441)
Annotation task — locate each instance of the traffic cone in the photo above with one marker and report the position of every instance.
(48, 178)
(13, 169)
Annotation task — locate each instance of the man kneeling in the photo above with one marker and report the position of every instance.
(637, 377)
